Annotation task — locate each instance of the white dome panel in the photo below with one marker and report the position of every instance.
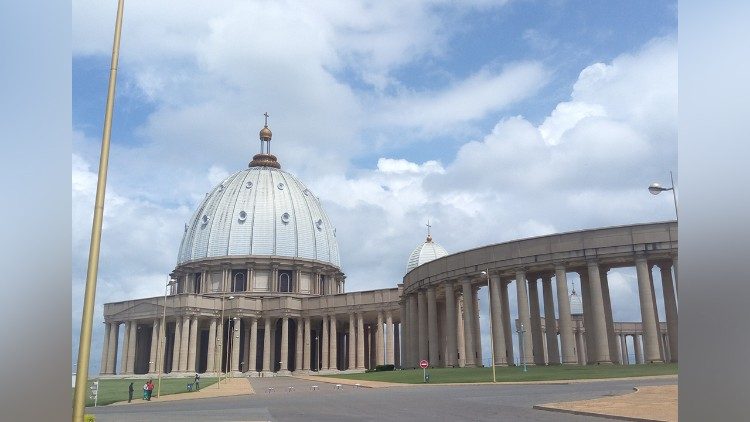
(426, 252)
(279, 219)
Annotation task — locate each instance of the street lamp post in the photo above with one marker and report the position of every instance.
(87, 317)
(229, 339)
(656, 189)
(317, 352)
(162, 339)
(492, 338)
(520, 344)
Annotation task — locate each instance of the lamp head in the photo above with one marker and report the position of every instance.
(655, 189)
(484, 272)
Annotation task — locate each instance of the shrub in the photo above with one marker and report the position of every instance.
(89, 418)
(389, 367)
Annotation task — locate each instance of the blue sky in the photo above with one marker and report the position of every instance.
(496, 120)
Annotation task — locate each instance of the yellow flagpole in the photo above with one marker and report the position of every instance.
(84, 343)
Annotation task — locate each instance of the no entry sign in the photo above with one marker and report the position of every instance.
(424, 364)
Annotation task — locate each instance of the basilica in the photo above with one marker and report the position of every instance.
(258, 290)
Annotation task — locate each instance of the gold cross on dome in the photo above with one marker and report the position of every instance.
(266, 114)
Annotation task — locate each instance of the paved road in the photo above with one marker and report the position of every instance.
(413, 403)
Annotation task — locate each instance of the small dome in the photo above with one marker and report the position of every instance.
(576, 304)
(426, 252)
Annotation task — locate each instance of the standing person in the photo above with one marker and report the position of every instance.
(145, 391)
(149, 389)
(130, 392)
(197, 382)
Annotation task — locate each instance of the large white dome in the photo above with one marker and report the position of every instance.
(425, 252)
(261, 210)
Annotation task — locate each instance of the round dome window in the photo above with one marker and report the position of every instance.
(248, 185)
(280, 186)
(243, 216)
(285, 218)
(319, 224)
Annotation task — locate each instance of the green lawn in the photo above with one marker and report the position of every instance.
(114, 390)
(504, 374)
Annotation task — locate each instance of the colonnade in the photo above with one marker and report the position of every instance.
(442, 316)
(263, 344)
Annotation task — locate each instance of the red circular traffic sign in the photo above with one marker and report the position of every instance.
(423, 364)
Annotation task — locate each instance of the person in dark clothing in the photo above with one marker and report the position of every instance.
(197, 382)
(130, 392)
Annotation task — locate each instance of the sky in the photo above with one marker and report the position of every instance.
(495, 120)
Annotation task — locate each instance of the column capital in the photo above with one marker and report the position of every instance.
(592, 262)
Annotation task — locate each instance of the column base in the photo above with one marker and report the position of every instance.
(284, 373)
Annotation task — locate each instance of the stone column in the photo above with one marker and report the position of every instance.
(360, 342)
(624, 348)
(423, 334)
(524, 316)
(656, 311)
(477, 328)
(648, 319)
(588, 335)
(219, 352)
(432, 329)
(266, 344)
(389, 338)
(450, 323)
(308, 358)
(333, 356)
(470, 357)
(565, 324)
(131, 346)
(536, 322)
(506, 321)
(611, 337)
(638, 348)
(193, 344)
(184, 343)
(379, 346)
(245, 362)
(112, 347)
(324, 341)
(498, 331)
(211, 354)
(676, 286)
(235, 334)
(670, 308)
(125, 342)
(581, 348)
(598, 318)
(176, 345)
(352, 342)
(550, 323)
(396, 344)
(403, 358)
(298, 345)
(413, 331)
(154, 344)
(284, 344)
(105, 349)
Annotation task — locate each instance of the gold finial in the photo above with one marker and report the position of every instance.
(265, 158)
(429, 238)
(265, 133)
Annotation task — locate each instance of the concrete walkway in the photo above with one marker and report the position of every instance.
(654, 403)
(229, 387)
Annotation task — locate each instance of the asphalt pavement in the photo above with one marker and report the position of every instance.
(303, 402)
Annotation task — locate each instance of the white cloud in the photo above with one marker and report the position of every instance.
(470, 99)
